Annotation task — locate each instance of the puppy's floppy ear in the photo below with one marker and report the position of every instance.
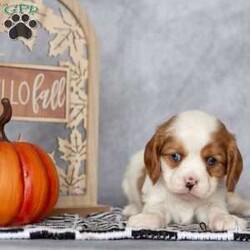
(152, 158)
(153, 149)
(234, 165)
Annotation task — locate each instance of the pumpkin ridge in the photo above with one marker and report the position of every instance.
(53, 180)
(36, 184)
(45, 201)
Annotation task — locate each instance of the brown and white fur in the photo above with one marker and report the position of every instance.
(187, 173)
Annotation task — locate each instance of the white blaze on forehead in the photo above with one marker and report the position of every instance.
(194, 128)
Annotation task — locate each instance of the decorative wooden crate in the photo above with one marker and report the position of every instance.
(49, 71)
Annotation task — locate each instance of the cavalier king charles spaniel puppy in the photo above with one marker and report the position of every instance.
(186, 173)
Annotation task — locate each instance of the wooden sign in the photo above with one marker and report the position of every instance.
(49, 71)
(36, 93)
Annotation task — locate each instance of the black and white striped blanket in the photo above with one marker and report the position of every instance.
(112, 226)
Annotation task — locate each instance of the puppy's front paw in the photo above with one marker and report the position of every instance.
(146, 221)
(227, 222)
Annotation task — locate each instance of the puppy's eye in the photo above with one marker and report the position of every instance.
(175, 157)
(211, 161)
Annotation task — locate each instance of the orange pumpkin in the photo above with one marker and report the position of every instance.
(29, 184)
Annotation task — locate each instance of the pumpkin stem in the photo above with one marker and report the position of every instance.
(5, 117)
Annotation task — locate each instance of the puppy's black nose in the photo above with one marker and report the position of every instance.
(190, 185)
(190, 182)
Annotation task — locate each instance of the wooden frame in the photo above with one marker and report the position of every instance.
(93, 109)
(88, 202)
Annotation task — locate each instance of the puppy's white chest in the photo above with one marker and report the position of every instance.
(180, 212)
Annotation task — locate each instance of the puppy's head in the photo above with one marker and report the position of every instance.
(193, 152)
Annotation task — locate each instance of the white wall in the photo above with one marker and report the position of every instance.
(161, 57)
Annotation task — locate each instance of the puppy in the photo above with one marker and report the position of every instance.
(187, 173)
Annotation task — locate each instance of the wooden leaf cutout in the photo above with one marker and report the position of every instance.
(74, 149)
(68, 33)
(79, 99)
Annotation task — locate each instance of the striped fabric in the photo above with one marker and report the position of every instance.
(112, 226)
